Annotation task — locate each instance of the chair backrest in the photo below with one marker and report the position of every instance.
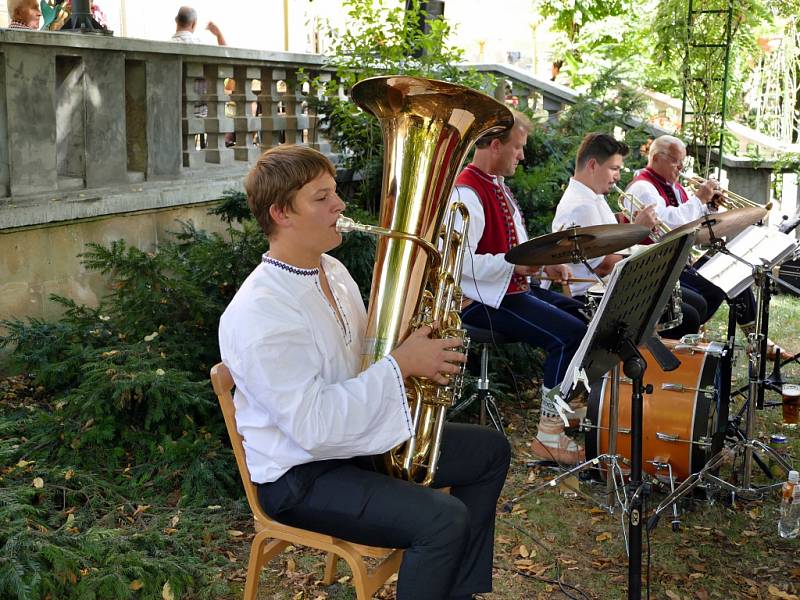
(223, 384)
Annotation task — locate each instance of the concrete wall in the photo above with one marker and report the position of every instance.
(39, 261)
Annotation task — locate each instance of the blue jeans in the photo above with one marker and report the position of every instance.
(541, 318)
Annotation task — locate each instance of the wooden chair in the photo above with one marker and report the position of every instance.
(272, 537)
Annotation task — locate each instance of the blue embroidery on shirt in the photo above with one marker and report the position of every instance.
(289, 268)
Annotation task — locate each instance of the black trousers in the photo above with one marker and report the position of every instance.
(743, 305)
(448, 539)
(693, 311)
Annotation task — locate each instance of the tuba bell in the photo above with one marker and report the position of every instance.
(428, 127)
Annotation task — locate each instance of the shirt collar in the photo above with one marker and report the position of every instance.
(585, 190)
(274, 262)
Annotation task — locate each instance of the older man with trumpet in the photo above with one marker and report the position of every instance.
(658, 185)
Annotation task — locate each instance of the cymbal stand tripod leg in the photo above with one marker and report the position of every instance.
(757, 350)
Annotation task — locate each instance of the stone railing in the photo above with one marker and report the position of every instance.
(105, 138)
(95, 125)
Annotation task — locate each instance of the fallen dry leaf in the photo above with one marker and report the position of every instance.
(166, 592)
(773, 591)
(603, 537)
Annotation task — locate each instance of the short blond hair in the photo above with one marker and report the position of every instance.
(278, 175)
(14, 5)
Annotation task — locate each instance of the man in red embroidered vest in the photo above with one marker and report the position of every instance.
(503, 299)
(657, 184)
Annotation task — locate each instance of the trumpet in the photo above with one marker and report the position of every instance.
(723, 197)
(661, 228)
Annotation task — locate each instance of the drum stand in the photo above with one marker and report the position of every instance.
(745, 443)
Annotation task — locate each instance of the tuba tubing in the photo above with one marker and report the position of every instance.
(428, 128)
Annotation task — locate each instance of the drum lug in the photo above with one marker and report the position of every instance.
(666, 437)
(679, 387)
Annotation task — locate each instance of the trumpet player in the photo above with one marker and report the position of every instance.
(502, 298)
(658, 185)
(598, 163)
(292, 339)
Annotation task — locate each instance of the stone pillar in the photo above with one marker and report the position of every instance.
(315, 139)
(136, 118)
(70, 99)
(753, 184)
(217, 124)
(245, 122)
(30, 85)
(291, 100)
(553, 106)
(106, 145)
(273, 120)
(163, 116)
(194, 110)
(5, 175)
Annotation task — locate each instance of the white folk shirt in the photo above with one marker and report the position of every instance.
(485, 277)
(581, 206)
(672, 216)
(187, 37)
(299, 394)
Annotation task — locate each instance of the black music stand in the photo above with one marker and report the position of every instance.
(637, 293)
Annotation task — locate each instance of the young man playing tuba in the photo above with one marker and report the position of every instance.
(312, 423)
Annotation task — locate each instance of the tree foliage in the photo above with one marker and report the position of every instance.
(380, 39)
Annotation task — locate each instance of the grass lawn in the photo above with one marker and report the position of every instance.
(722, 550)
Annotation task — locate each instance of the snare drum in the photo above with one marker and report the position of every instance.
(670, 318)
(679, 417)
(673, 313)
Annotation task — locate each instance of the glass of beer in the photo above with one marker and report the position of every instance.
(791, 403)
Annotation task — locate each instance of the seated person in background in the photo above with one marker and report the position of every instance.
(597, 169)
(313, 424)
(24, 14)
(502, 298)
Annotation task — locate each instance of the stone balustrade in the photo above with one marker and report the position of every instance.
(93, 125)
(105, 138)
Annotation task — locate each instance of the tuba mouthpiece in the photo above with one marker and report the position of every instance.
(345, 224)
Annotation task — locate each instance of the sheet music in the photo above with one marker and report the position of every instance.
(755, 245)
(638, 290)
(574, 375)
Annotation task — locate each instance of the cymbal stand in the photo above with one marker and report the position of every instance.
(578, 257)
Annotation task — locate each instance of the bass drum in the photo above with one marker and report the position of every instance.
(679, 417)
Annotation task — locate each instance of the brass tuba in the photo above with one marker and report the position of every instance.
(428, 127)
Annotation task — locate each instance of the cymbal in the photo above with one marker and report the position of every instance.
(724, 224)
(576, 243)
